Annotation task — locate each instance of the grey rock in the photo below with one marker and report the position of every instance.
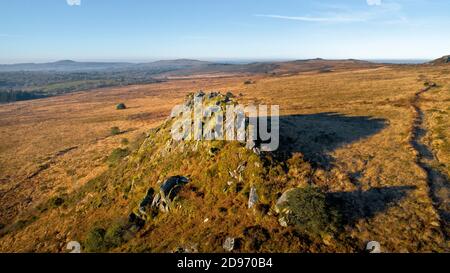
(228, 245)
(171, 184)
(167, 192)
(252, 198)
(281, 202)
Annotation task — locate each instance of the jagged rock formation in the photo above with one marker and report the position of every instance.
(163, 147)
(162, 200)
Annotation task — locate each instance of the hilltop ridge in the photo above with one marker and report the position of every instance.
(442, 60)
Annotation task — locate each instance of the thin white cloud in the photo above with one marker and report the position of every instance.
(73, 2)
(374, 2)
(314, 19)
(386, 13)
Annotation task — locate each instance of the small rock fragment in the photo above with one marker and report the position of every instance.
(253, 198)
(228, 245)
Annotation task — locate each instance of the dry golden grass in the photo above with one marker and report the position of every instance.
(33, 133)
(384, 159)
(365, 116)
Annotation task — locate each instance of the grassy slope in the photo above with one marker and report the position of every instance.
(376, 170)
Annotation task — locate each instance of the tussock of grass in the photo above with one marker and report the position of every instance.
(115, 131)
(307, 210)
(117, 155)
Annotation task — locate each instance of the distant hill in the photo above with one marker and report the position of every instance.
(276, 68)
(38, 80)
(63, 66)
(322, 65)
(189, 66)
(442, 60)
(73, 66)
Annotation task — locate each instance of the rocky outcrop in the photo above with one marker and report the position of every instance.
(167, 192)
(152, 203)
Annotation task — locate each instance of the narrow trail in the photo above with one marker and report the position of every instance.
(439, 185)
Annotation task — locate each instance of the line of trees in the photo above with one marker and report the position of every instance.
(17, 86)
(12, 96)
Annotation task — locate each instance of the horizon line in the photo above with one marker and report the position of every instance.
(145, 60)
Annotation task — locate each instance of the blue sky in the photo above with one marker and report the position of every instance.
(143, 30)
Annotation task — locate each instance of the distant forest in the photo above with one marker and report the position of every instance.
(26, 85)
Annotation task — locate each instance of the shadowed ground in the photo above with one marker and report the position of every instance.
(356, 205)
(316, 135)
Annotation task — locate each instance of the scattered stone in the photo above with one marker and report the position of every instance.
(228, 245)
(252, 198)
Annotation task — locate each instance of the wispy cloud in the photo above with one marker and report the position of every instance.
(314, 19)
(73, 2)
(383, 13)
